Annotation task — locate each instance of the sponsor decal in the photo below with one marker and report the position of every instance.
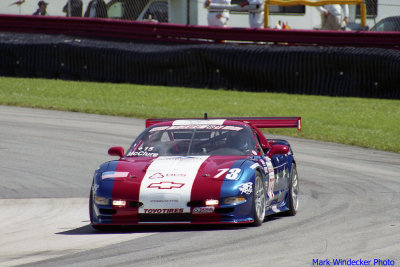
(203, 210)
(199, 122)
(164, 201)
(271, 188)
(197, 126)
(232, 128)
(246, 188)
(166, 185)
(159, 175)
(255, 165)
(179, 158)
(271, 176)
(163, 211)
(231, 174)
(113, 174)
(147, 151)
(156, 176)
(142, 154)
(275, 208)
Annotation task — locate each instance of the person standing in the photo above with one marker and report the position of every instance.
(73, 8)
(333, 15)
(218, 18)
(256, 17)
(42, 10)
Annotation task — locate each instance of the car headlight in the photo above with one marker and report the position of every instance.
(100, 200)
(234, 200)
(212, 202)
(120, 203)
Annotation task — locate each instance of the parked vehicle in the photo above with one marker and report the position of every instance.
(389, 24)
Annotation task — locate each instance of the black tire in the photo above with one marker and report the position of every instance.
(91, 210)
(259, 199)
(293, 192)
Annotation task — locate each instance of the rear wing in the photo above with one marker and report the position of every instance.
(259, 122)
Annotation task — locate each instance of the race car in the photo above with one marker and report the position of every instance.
(198, 171)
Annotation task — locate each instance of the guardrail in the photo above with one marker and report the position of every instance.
(165, 32)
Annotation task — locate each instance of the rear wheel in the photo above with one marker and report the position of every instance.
(293, 192)
(259, 200)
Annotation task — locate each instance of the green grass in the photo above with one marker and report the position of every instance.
(372, 123)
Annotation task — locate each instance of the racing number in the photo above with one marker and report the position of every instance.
(232, 174)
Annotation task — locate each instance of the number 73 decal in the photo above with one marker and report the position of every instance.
(231, 174)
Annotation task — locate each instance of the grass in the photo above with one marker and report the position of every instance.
(371, 123)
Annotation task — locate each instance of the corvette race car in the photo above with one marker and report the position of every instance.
(198, 171)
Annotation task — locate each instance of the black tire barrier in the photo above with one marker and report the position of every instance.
(332, 71)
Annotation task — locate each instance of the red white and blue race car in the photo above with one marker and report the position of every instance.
(198, 171)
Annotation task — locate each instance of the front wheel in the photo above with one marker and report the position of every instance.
(259, 200)
(293, 192)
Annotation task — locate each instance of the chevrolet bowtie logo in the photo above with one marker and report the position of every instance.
(165, 185)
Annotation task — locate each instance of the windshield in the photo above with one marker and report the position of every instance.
(193, 140)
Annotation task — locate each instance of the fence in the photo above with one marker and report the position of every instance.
(334, 71)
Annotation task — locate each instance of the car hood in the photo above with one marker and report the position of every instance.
(170, 181)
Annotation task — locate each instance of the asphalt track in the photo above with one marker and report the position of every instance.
(349, 204)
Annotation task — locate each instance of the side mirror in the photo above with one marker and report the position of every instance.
(278, 149)
(116, 151)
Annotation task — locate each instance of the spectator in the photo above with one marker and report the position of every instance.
(217, 17)
(42, 10)
(331, 16)
(256, 17)
(73, 8)
(96, 9)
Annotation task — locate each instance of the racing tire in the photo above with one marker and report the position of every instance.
(259, 199)
(293, 192)
(91, 210)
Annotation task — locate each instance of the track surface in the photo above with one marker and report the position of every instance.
(349, 204)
